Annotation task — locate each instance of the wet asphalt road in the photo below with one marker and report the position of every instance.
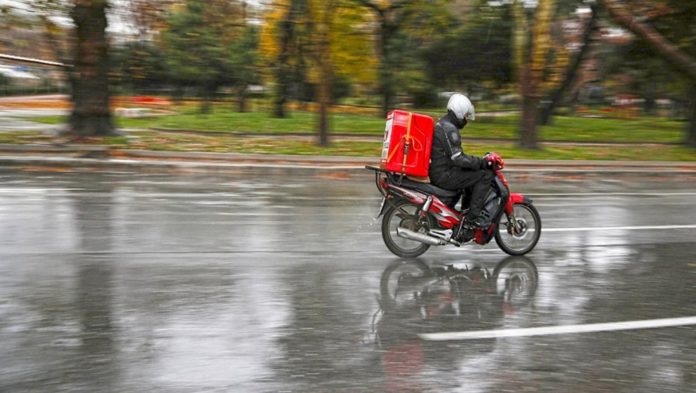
(197, 283)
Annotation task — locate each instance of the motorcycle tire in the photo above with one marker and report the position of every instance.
(403, 247)
(505, 239)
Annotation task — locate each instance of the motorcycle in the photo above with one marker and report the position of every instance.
(419, 215)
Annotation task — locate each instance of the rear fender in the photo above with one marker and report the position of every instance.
(415, 197)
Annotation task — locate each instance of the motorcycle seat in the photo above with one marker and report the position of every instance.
(429, 188)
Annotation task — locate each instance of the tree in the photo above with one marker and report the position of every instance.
(400, 26)
(530, 59)
(283, 41)
(335, 51)
(243, 61)
(91, 114)
(202, 45)
(139, 65)
(316, 49)
(478, 53)
(323, 15)
(572, 71)
(680, 59)
(148, 17)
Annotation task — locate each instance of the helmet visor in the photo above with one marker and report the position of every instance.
(471, 114)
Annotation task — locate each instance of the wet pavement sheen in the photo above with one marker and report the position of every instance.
(187, 283)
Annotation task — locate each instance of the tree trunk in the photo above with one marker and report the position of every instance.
(282, 70)
(530, 111)
(279, 104)
(205, 107)
(385, 32)
(532, 76)
(324, 98)
(384, 71)
(242, 99)
(572, 72)
(91, 113)
(691, 125)
(323, 58)
(519, 40)
(650, 104)
(206, 99)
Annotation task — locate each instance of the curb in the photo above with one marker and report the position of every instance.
(104, 157)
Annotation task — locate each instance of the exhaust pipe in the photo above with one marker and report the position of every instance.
(419, 237)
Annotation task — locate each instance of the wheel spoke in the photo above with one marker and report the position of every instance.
(523, 238)
(404, 215)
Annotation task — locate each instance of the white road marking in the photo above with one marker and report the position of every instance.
(601, 194)
(552, 330)
(626, 228)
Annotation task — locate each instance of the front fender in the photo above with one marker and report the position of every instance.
(515, 199)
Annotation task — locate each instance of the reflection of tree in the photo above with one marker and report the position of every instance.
(93, 213)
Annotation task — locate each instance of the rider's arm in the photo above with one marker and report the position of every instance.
(457, 155)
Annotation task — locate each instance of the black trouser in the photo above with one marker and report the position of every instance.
(477, 182)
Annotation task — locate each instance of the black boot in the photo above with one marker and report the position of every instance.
(466, 230)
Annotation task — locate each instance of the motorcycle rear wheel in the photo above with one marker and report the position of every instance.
(529, 219)
(404, 214)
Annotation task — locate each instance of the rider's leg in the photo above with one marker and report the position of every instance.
(478, 183)
(478, 193)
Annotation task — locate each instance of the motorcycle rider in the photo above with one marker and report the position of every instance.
(452, 169)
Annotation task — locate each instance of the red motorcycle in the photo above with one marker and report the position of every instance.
(419, 215)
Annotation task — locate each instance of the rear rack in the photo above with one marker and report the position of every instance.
(376, 169)
(378, 175)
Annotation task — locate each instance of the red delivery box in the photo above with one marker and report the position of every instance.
(407, 140)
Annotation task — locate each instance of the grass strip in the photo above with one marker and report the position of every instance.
(573, 129)
(176, 142)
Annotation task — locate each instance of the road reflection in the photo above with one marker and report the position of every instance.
(416, 298)
(93, 220)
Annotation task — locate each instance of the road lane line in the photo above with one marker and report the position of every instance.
(594, 229)
(602, 194)
(627, 228)
(563, 329)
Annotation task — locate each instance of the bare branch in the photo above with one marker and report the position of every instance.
(369, 4)
(654, 39)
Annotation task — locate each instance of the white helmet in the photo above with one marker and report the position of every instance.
(462, 108)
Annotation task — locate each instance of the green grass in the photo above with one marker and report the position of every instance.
(580, 129)
(23, 137)
(269, 145)
(223, 120)
(644, 129)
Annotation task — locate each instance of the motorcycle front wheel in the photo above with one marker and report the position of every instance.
(525, 238)
(403, 214)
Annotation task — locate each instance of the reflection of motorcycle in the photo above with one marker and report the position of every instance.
(437, 291)
(416, 298)
(419, 215)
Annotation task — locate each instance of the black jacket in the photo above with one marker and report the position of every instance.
(446, 152)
